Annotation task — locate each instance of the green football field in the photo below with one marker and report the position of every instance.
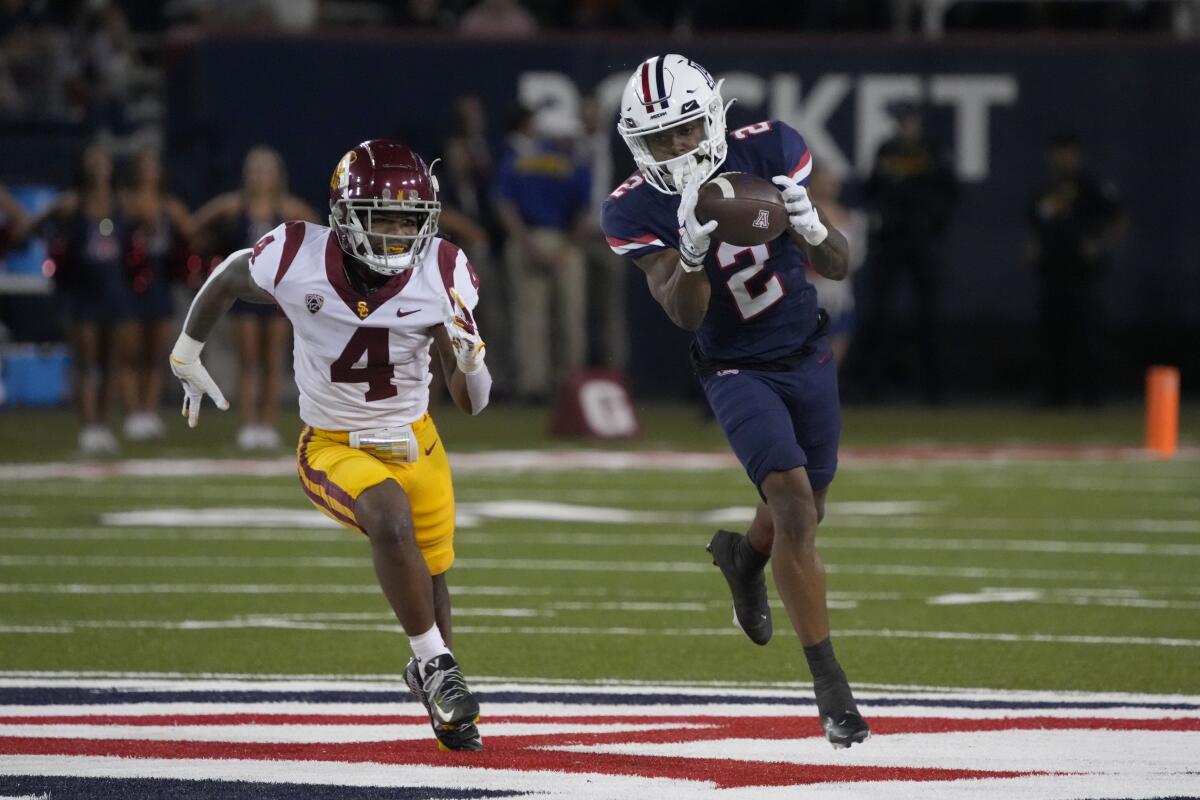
(1066, 569)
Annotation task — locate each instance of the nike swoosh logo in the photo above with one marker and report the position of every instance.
(429, 449)
(441, 715)
(406, 313)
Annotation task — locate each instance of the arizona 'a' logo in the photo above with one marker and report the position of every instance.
(764, 219)
(313, 302)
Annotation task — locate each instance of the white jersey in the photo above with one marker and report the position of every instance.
(361, 361)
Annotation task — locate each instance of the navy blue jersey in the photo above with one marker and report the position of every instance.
(762, 306)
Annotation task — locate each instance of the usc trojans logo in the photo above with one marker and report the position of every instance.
(363, 309)
(339, 178)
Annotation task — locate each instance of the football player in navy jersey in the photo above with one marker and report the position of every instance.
(759, 348)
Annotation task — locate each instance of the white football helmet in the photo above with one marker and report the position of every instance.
(666, 91)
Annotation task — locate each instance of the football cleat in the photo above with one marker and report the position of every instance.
(846, 729)
(453, 710)
(840, 720)
(747, 584)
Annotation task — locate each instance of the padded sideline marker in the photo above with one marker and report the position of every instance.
(1162, 410)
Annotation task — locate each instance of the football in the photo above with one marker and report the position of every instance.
(748, 209)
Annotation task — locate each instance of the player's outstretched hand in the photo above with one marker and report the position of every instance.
(802, 214)
(694, 238)
(469, 348)
(185, 365)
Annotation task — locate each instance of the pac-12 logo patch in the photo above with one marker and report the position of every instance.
(313, 302)
(764, 219)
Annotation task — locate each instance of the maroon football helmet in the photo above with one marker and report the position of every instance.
(383, 176)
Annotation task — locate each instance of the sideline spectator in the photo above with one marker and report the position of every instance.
(14, 221)
(469, 219)
(13, 224)
(837, 297)
(542, 197)
(159, 229)
(230, 222)
(469, 166)
(101, 67)
(607, 272)
(1076, 221)
(35, 57)
(87, 235)
(911, 193)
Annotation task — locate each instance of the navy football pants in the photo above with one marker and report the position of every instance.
(776, 421)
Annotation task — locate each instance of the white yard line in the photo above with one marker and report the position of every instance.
(299, 622)
(1116, 598)
(170, 562)
(1014, 546)
(843, 542)
(1070, 597)
(268, 528)
(369, 589)
(1017, 523)
(187, 588)
(456, 590)
(557, 461)
(544, 565)
(216, 534)
(470, 513)
(173, 490)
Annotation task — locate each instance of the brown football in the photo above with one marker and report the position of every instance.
(748, 209)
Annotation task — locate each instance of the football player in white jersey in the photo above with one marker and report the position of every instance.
(366, 297)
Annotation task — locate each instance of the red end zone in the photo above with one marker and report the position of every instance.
(671, 741)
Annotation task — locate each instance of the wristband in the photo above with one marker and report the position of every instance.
(186, 349)
(817, 234)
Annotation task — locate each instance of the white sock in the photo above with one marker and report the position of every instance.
(428, 645)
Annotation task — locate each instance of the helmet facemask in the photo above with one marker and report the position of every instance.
(386, 253)
(670, 175)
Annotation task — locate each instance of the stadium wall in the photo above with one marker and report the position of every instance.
(991, 103)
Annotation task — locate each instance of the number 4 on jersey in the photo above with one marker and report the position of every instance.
(377, 373)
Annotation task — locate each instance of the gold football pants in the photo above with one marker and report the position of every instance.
(334, 474)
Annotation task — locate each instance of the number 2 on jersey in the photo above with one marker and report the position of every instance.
(749, 304)
(377, 373)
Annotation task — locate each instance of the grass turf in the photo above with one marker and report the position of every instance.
(1102, 556)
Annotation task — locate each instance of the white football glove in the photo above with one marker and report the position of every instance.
(185, 365)
(802, 214)
(469, 349)
(693, 237)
